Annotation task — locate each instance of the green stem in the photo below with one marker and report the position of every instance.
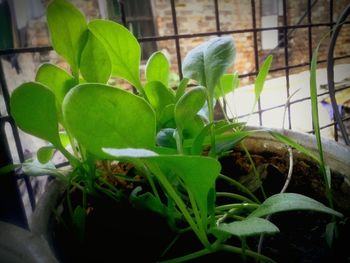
(234, 196)
(254, 169)
(178, 139)
(237, 250)
(237, 206)
(151, 182)
(239, 186)
(181, 205)
(212, 130)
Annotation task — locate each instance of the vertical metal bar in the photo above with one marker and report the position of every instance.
(256, 53)
(330, 73)
(5, 147)
(176, 34)
(122, 12)
(11, 204)
(217, 17)
(286, 59)
(309, 20)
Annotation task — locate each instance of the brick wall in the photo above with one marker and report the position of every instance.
(198, 16)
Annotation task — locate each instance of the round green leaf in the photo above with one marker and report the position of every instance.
(208, 62)
(100, 116)
(122, 47)
(33, 106)
(44, 154)
(188, 106)
(58, 80)
(158, 68)
(158, 95)
(68, 31)
(95, 65)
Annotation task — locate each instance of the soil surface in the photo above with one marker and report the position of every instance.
(301, 240)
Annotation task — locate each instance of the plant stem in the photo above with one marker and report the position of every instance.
(254, 169)
(243, 205)
(240, 186)
(212, 131)
(234, 196)
(179, 202)
(248, 252)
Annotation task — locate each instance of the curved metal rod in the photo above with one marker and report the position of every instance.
(330, 73)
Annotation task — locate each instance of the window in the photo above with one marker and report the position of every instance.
(139, 20)
(272, 16)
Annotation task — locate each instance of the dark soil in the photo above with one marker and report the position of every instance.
(125, 234)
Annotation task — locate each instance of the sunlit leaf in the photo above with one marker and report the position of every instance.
(45, 153)
(207, 62)
(260, 79)
(158, 95)
(227, 83)
(158, 68)
(57, 80)
(122, 47)
(33, 106)
(100, 116)
(68, 31)
(95, 64)
(188, 106)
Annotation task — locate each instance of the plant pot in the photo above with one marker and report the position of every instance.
(113, 239)
(302, 236)
(18, 245)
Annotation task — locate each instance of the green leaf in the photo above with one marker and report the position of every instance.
(65, 141)
(149, 202)
(249, 227)
(226, 142)
(35, 168)
(208, 62)
(129, 152)
(68, 31)
(228, 83)
(287, 140)
(331, 233)
(260, 79)
(199, 174)
(166, 117)
(122, 47)
(288, 202)
(158, 68)
(188, 106)
(95, 65)
(33, 106)
(193, 127)
(198, 142)
(181, 88)
(100, 116)
(158, 95)
(44, 154)
(58, 81)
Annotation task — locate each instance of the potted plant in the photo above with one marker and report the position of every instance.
(149, 162)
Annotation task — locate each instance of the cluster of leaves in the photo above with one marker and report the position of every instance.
(162, 131)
